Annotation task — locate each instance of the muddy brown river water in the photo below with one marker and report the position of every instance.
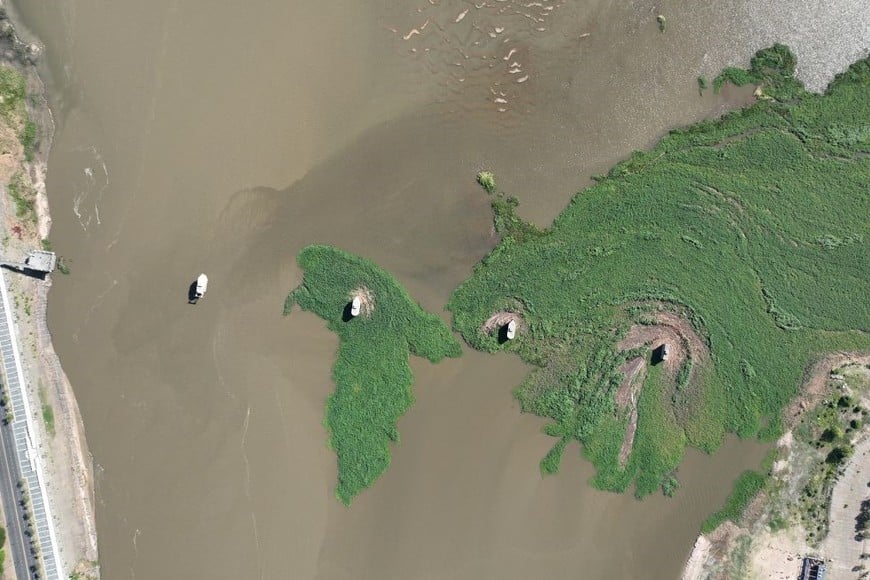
(223, 138)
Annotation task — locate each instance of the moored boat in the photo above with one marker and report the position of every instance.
(201, 285)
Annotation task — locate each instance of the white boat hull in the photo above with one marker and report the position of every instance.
(201, 285)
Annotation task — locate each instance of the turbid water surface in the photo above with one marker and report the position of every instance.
(223, 138)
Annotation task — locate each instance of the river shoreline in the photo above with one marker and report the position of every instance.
(770, 540)
(206, 422)
(61, 438)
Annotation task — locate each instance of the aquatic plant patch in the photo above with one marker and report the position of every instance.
(751, 228)
(371, 373)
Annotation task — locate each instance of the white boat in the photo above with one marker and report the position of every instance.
(201, 285)
(355, 306)
(511, 329)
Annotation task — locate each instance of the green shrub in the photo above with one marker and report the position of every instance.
(839, 454)
(670, 486)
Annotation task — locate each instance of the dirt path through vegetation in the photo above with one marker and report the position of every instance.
(634, 373)
(685, 346)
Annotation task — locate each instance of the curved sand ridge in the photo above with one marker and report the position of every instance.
(366, 300)
(685, 346)
(500, 319)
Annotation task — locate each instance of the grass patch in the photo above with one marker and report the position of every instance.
(720, 222)
(371, 374)
(745, 489)
(23, 197)
(12, 91)
(48, 417)
(28, 139)
(47, 412)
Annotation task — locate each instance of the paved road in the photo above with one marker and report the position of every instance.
(17, 544)
(841, 547)
(24, 441)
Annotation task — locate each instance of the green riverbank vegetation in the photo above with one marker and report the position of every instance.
(787, 506)
(751, 229)
(47, 411)
(18, 137)
(13, 110)
(371, 374)
(745, 489)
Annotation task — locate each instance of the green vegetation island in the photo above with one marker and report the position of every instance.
(372, 376)
(686, 295)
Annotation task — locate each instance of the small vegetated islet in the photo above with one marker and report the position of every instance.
(721, 222)
(486, 179)
(371, 374)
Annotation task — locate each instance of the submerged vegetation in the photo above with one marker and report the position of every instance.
(752, 228)
(371, 374)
